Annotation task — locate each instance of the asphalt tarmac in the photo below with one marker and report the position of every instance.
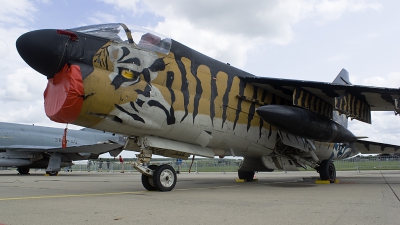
(369, 197)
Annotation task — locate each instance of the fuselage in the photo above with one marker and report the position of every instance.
(179, 94)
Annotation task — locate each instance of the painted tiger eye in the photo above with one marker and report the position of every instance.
(127, 74)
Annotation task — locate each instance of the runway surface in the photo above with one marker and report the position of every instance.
(369, 197)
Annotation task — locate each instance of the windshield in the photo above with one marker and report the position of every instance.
(119, 32)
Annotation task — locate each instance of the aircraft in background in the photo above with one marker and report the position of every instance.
(173, 101)
(30, 146)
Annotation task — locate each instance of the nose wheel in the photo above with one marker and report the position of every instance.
(147, 180)
(163, 179)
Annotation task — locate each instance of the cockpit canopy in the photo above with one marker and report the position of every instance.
(138, 36)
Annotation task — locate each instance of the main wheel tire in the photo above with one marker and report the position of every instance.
(164, 178)
(52, 173)
(23, 170)
(327, 170)
(246, 175)
(147, 181)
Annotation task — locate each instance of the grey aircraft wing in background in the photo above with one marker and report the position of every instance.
(29, 146)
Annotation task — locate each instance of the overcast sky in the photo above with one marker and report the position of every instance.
(296, 39)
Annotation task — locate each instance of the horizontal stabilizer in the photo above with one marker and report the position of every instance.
(369, 147)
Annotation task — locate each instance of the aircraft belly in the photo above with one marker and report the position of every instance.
(333, 151)
(223, 138)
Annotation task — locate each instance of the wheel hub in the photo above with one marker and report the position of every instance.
(167, 178)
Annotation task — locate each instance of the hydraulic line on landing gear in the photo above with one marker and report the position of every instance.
(191, 163)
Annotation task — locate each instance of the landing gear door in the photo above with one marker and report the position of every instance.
(294, 141)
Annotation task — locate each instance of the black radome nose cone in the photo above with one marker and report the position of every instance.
(42, 50)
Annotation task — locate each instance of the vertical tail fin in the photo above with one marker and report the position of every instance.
(342, 78)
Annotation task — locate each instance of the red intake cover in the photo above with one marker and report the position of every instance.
(63, 95)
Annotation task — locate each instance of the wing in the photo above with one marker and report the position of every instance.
(95, 148)
(353, 100)
(369, 147)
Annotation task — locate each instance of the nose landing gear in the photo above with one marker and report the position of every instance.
(147, 180)
(163, 178)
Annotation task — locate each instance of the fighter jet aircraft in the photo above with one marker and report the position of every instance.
(173, 101)
(30, 146)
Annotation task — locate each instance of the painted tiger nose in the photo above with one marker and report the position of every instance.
(43, 50)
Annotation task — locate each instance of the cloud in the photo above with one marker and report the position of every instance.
(384, 128)
(14, 17)
(373, 35)
(385, 125)
(21, 89)
(332, 10)
(229, 29)
(101, 17)
(130, 5)
(23, 85)
(269, 20)
(390, 80)
(8, 51)
(216, 46)
(16, 12)
(339, 57)
(21, 112)
(19, 82)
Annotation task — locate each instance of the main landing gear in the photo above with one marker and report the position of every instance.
(327, 170)
(52, 173)
(246, 175)
(23, 170)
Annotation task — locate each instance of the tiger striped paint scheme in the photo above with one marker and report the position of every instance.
(160, 91)
(353, 106)
(178, 96)
(306, 99)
